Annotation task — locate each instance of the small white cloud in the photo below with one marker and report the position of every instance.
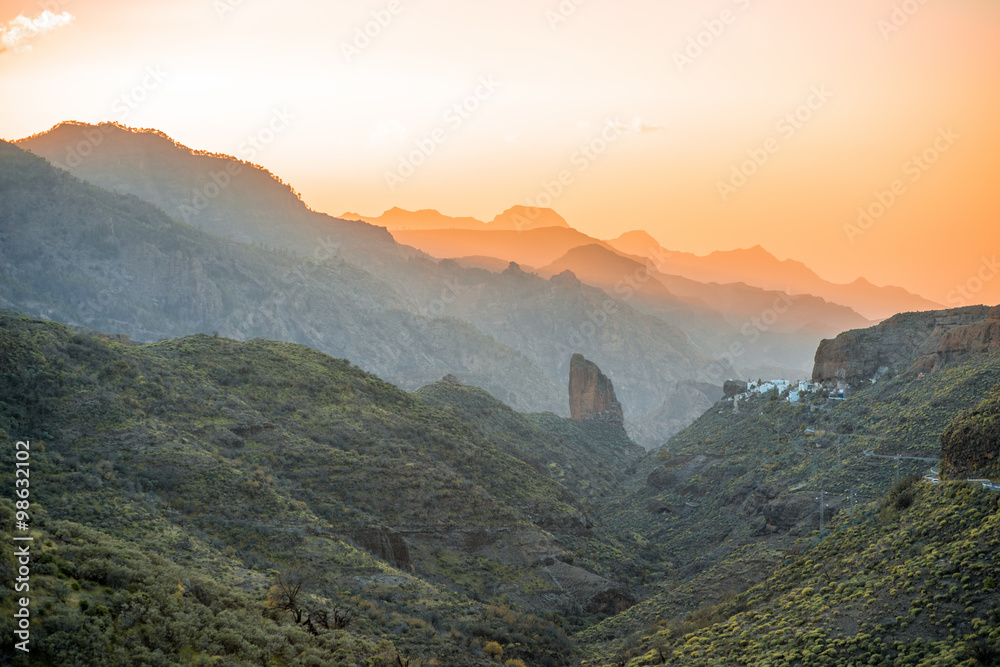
(21, 29)
(387, 132)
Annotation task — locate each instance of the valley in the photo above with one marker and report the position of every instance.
(507, 442)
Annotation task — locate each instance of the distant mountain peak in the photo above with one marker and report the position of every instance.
(566, 277)
(523, 218)
(516, 218)
(638, 235)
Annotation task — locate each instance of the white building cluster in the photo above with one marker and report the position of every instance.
(794, 389)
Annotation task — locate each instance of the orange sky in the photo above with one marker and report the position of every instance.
(210, 73)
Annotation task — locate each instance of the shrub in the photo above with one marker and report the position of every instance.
(494, 650)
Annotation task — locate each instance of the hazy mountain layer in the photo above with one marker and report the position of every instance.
(75, 253)
(517, 218)
(756, 266)
(544, 321)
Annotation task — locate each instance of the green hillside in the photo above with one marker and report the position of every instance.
(909, 580)
(244, 462)
(196, 482)
(726, 499)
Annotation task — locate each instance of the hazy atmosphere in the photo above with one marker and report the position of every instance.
(543, 333)
(690, 104)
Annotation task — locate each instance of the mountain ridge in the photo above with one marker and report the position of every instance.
(758, 267)
(433, 318)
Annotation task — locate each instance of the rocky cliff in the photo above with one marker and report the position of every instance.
(591, 393)
(917, 342)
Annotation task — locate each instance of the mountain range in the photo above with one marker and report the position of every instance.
(523, 293)
(203, 499)
(753, 266)
(228, 491)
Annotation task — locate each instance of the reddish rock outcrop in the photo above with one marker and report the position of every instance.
(959, 344)
(591, 394)
(919, 342)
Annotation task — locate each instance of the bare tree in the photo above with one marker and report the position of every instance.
(287, 595)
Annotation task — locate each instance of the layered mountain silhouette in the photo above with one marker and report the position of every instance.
(533, 247)
(775, 333)
(404, 315)
(666, 325)
(516, 218)
(756, 266)
(75, 253)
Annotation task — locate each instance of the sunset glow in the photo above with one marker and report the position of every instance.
(859, 137)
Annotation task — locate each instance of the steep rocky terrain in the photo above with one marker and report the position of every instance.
(592, 394)
(909, 342)
(762, 332)
(442, 520)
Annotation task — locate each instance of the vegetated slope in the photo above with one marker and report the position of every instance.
(907, 580)
(971, 443)
(724, 500)
(242, 459)
(81, 255)
(589, 458)
(536, 317)
(99, 600)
